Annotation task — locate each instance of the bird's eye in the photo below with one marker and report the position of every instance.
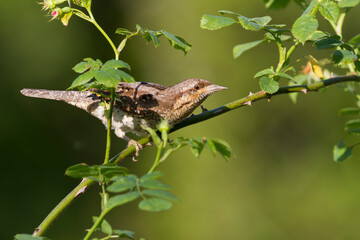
(196, 87)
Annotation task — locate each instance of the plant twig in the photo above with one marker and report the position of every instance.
(187, 122)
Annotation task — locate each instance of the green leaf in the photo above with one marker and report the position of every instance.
(111, 170)
(81, 171)
(264, 72)
(82, 79)
(302, 3)
(240, 48)
(154, 205)
(304, 27)
(329, 42)
(349, 111)
(318, 35)
(330, 11)
(177, 42)
(353, 126)
(155, 184)
(105, 226)
(341, 152)
(278, 37)
(126, 77)
(210, 145)
(276, 4)
(121, 199)
(151, 176)
(109, 77)
(116, 64)
(268, 84)
(287, 76)
(355, 41)
(81, 67)
(123, 183)
(123, 31)
(153, 37)
(343, 56)
(228, 12)
(223, 148)
(160, 194)
(24, 236)
(196, 147)
(262, 21)
(124, 233)
(211, 22)
(348, 3)
(247, 24)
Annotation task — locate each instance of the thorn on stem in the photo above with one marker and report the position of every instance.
(203, 109)
(36, 231)
(304, 90)
(81, 191)
(248, 103)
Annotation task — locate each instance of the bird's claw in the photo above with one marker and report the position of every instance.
(138, 148)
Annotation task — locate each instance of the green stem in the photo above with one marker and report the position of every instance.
(96, 224)
(74, 194)
(340, 23)
(103, 33)
(281, 57)
(157, 159)
(187, 122)
(109, 123)
(291, 49)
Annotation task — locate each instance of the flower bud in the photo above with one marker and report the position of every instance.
(48, 4)
(164, 126)
(59, 1)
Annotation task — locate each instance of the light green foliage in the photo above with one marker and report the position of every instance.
(353, 126)
(341, 152)
(211, 22)
(269, 84)
(343, 56)
(121, 199)
(348, 3)
(155, 204)
(94, 73)
(304, 27)
(175, 41)
(240, 48)
(328, 42)
(28, 237)
(96, 172)
(330, 10)
(122, 183)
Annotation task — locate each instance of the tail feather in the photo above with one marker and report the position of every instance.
(75, 98)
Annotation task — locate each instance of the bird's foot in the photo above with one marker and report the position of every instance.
(138, 148)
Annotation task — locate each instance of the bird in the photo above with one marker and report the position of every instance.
(137, 105)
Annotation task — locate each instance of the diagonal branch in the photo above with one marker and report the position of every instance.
(78, 190)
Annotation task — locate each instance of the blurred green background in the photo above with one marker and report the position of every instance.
(282, 183)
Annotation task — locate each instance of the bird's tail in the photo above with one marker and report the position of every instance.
(75, 98)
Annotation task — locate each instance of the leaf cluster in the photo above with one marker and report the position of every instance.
(95, 74)
(304, 30)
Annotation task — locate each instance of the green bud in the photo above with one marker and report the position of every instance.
(164, 126)
(59, 1)
(66, 10)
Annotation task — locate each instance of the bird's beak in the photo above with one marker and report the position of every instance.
(214, 88)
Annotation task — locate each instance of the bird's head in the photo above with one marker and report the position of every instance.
(189, 94)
